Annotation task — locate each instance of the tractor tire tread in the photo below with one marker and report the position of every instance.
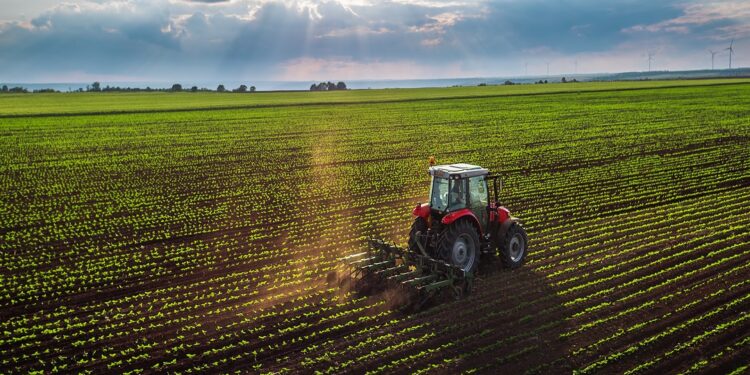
(451, 234)
(504, 248)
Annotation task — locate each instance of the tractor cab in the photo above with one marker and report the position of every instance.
(457, 187)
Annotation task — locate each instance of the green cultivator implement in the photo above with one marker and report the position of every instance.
(421, 277)
(461, 222)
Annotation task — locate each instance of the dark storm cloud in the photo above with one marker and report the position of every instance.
(571, 26)
(68, 39)
(253, 39)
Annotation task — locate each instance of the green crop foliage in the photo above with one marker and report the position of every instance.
(197, 232)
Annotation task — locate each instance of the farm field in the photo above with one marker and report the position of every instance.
(196, 234)
(14, 105)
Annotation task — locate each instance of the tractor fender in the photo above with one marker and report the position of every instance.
(505, 226)
(465, 212)
(422, 210)
(502, 214)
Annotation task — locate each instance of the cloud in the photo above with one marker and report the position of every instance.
(306, 39)
(91, 37)
(346, 32)
(717, 20)
(347, 69)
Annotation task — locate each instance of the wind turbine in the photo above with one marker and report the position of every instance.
(548, 69)
(713, 53)
(650, 60)
(731, 52)
(575, 70)
(526, 68)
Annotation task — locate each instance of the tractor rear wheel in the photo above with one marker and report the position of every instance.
(418, 226)
(513, 246)
(460, 245)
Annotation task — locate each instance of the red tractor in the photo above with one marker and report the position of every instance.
(449, 234)
(462, 221)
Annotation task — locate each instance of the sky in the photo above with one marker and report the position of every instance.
(288, 40)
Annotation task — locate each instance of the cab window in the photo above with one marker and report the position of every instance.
(478, 191)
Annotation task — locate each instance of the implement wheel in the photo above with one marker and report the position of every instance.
(513, 247)
(460, 246)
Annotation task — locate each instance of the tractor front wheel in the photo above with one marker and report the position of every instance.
(513, 246)
(460, 245)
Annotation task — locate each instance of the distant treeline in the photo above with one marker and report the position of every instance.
(328, 86)
(6, 89)
(97, 87)
(510, 83)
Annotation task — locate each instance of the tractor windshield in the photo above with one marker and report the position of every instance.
(447, 194)
(439, 194)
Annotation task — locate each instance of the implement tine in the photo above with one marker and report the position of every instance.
(377, 265)
(353, 256)
(437, 285)
(419, 280)
(393, 270)
(363, 261)
(403, 276)
(386, 264)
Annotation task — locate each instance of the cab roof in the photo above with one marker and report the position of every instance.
(455, 171)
